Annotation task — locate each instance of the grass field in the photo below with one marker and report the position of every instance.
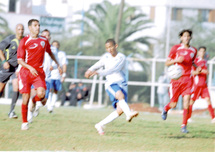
(72, 129)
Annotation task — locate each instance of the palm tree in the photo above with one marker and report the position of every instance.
(4, 29)
(100, 23)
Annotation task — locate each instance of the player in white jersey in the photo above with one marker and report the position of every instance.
(116, 85)
(56, 78)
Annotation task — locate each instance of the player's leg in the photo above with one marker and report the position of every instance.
(57, 87)
(186, 103)
(15, 97)
(111, 117)
(174, 93)
(25, 98)
(210, 109)
(2, 86)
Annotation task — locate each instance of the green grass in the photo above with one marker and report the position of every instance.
(72, 129)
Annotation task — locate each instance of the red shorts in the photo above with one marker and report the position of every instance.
(182, 86)
(200, 91)
(26, 80)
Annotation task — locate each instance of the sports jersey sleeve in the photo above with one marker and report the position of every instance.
(5, 43)
(97, 65)
(172, 53)
(119, 64)
(21, 50)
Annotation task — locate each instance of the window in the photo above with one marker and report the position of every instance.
(176, 14)
(12, 6)
(203, 15)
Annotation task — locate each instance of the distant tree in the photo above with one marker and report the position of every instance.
(4, 28)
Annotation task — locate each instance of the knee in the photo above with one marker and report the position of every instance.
(119, 95)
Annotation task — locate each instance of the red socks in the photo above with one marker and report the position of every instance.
(211, 110)
(35, 99)
(185, 116)
(167, 107)
(24, 113)
(190, 112)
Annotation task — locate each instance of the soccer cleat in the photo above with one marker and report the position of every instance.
(24, 126)
(213, 121)
(99, 129)
(133, 114)
(12, 115)
(36, 111)
(184, 130)
(164, 115)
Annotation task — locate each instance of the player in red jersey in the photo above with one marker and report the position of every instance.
(200, 87)
(30, 56)
(182, 54)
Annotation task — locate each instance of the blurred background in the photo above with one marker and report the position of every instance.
(145, 31)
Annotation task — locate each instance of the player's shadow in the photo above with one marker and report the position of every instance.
(203, 134)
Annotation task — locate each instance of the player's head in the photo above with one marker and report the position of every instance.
(201, 51)
(111, 47)
(56, 44)
(19, 30)
(46, 33)
(185, 36)
(34, 27)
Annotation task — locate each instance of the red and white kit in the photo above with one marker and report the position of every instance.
(200, 87)
(32, 51)
(183, 85)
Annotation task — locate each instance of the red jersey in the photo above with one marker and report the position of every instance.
(200, 79)
(32, 50)
(189, 55)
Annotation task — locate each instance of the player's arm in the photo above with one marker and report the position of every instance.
(27, 66)
(93, 69)
(172, 58)
(3, 45)
(64, 66)
(54, 59)
(115, 68)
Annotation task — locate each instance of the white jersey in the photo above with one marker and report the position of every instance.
(114, 69)
(46, 66)
(61, 58)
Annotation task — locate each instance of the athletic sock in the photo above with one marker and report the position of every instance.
(54, 99)
(35, 99)
(167, 107)
(184, 123)
(125, 108)
(190, 112)
(24, 113)
(109, 118)
(211, 110)
(14, 100)
(48, 103)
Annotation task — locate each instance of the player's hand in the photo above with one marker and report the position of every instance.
(51, 68)
(6, 65)
(199, 69)
(33, 71)
(60, 70)
(89, 74)
(179, 59)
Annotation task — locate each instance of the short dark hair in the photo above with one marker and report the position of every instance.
(111, 41)
(31, 21)
(46, 30)
(185, 30)
(202, 47)
(55, 41)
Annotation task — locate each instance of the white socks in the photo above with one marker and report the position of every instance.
(109, 118)
(125, 108)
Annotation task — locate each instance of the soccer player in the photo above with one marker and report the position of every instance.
(56, 78)
(114, 64)
(200, 87)
(8, 55)
(33, 109)
(182, 54)
(30, 55)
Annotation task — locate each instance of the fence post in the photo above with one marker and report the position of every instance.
(76, 66)
(152, 99)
